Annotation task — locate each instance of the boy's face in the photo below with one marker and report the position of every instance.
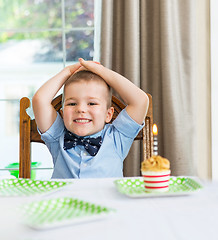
(85, 107)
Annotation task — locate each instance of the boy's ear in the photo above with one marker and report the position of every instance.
(110, 113)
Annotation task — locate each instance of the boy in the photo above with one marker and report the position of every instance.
(86, 112)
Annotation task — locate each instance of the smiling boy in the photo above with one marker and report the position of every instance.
(87, 103)
(86, 113)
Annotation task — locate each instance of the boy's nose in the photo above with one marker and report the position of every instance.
(81, 108)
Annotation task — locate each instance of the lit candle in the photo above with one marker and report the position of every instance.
(155, 132)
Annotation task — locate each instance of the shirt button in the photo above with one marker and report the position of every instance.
(85, 153)
(84, 165)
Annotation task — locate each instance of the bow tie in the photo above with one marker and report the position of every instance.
(91, 145)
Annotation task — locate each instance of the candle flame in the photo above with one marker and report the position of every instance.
(155, 130)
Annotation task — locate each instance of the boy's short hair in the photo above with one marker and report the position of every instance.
(85, 75)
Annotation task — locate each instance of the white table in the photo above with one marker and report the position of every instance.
(184, 217)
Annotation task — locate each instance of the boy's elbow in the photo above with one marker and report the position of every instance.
(36, 100)
(145, 101)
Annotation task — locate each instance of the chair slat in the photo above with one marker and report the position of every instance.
(25, 161)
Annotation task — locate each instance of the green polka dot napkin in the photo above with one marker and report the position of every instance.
(61, 211)
(28, 187)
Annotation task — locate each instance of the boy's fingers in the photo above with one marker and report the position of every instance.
(74, 67)
(91, 66)
(80, 69)
(84, 63)
(81, 60)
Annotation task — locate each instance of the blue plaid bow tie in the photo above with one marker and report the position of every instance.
(91, 145)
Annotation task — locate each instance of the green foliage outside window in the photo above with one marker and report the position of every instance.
(42, 21)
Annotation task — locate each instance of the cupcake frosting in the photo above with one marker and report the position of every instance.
(155, 163)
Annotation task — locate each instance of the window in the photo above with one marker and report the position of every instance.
(37, 39)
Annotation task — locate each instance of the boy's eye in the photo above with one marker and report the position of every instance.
(92, 103)
(71, 104)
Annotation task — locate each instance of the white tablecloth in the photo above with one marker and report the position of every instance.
(182, 217)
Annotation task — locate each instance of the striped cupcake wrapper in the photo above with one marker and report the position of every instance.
(156, 181)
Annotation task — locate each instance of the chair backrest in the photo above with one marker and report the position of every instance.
(29, 133)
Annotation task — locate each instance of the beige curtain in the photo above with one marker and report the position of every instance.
(153, 43)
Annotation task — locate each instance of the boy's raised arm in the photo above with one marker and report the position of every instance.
(137, 100)
(44, 112)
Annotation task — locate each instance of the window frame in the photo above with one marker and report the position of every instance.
(214, 86)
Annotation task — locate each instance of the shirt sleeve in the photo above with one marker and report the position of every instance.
(54, 132)
(125, 130)
(126, 125)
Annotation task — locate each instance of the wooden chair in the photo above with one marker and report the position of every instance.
(29, 133)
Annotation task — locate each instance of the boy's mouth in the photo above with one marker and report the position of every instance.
(82, 120)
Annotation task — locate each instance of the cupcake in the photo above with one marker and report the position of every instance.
(156, 174)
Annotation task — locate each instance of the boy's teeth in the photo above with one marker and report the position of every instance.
(82, 120)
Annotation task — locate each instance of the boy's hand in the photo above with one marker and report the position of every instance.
(82, 66)
(92, 66)
(73, 68)
(81, 60)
